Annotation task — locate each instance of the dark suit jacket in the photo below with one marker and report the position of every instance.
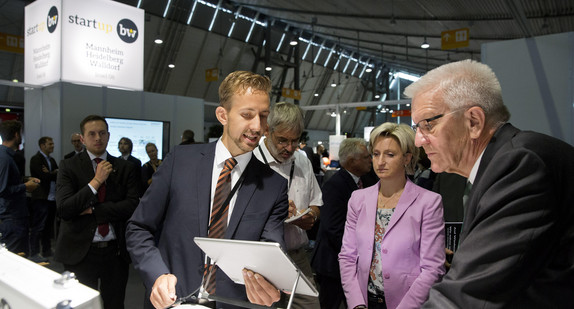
(517, 243)
(176, 208)
(73, 196)
(36, 163)
(69, 155)
(336, 194)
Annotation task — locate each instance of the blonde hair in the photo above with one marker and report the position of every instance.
(403, 135)
(239, 82)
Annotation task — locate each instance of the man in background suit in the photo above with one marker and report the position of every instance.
(178, 205)
(76, 141)
(356, 161)
(517, 243)
(95, 195)
(43, 208)
(126, 146)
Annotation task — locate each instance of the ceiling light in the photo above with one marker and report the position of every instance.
(333, 84)
(293, 42)
(8, 110)
(333, 114)
(377, 96)
(171, 65)
(268, 69)
(369, 70)
(425, 44)
(15, 80)
(158, 41)
(316, 94)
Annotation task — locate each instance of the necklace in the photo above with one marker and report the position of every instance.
(389, 202)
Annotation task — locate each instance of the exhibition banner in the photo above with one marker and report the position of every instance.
(102, 43)
(42, 42)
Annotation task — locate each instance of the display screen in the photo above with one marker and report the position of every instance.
(140, 132)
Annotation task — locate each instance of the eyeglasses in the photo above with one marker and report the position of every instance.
(425, 126)
(285, 142)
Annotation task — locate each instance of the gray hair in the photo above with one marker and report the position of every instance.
(465, 84)
(349, 148)
(405, 137)
(286, 116)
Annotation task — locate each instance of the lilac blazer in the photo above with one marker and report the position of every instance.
(413, 247)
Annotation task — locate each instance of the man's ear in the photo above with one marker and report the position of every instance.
(221, 114)
(476, 120)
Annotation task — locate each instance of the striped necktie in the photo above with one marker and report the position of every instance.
(218, 220)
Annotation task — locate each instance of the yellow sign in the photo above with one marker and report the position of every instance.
(212, 75)
(452, 39)
(11, 43)
(291, 93)
(402, 113)
(361, 108)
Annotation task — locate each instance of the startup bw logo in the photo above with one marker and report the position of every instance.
(52, 20)
(127, 30)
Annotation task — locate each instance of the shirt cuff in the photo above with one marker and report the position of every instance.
(93, 190)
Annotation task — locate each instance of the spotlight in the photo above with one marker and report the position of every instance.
(158, 41)
(268, 69)
(333, 84)
(171, 65)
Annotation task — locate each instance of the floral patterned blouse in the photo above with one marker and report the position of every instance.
(376, 274)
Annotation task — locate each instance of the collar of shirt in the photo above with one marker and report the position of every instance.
(355, 178)
(93, 156)
(125, 157)
(45, 155)
(222, 154)
(474, 169)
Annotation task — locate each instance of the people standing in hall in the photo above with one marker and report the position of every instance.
(43, 206)
(278, 150)
(151, 166)
(76, 141)
(126, 146)
(180, 201)
(393, 245)
(517, 244)
(355, 161)
(95, 195)
(14, 215)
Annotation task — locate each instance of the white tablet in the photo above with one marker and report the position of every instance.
(265, 258)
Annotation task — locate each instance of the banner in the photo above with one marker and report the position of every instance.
(99, 42)
(43, 40)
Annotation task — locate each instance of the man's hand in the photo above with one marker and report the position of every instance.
(259, 290)
(306, 222)
(32, 184)
(103, 171)
(87, 211)
(292, 209)
(163, 291)
(449, 255)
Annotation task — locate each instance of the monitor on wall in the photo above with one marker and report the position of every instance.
(140, 132)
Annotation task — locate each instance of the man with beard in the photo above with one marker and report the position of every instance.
(279, 150)
(13, 210)
(191, 195)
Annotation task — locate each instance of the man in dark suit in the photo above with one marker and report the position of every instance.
(43, 208)
(180, 201)
(517, 244)
(356, 162)
(126, 146)
(95, 195)
(76, 141)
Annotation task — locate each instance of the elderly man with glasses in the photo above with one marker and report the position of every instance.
(517, 243)
(279, 150)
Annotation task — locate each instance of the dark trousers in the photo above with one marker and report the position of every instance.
(331, 293)
(109, 268)
(14, 233)
(42, 215)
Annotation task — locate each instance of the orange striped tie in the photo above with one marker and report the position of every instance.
(217, 226)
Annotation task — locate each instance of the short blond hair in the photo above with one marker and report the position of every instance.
(405, 137)
(239, 82)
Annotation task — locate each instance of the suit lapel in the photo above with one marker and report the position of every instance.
(244, 195)
(86, 166)
(203, 180)
(407, 198)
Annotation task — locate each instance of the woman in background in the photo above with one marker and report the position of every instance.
(151, 166)
(393, 245)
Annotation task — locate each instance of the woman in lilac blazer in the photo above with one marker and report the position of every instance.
(393, 246)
